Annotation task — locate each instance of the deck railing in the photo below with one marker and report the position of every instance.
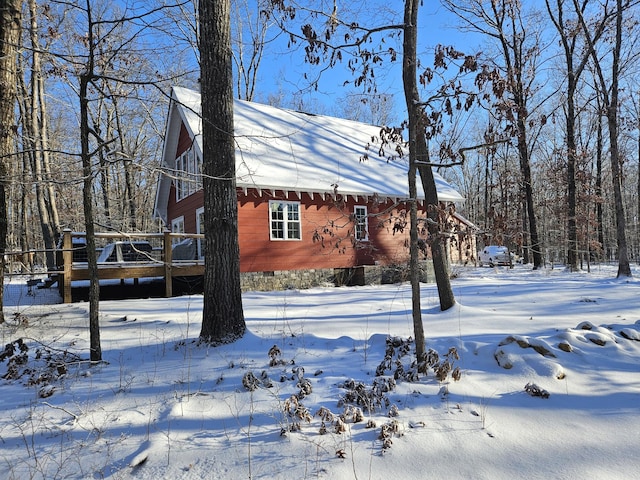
(162, 266)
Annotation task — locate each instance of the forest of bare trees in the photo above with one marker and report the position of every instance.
(555, 107)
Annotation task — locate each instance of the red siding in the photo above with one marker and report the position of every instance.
(327, 237)
(184, 142)
(327, 233)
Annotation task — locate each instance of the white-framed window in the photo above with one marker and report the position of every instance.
(188, 174)
(361, 221)
(177, 226)
(284, 218)
(200, 229)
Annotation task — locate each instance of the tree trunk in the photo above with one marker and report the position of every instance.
(637, 194)
(575, 67)
(598, 192)
(572, 231)
(609, 94)
(418, 152)
(223, 317)
(411, 94)
(36, 119)
(87, 197)
(129, 182)
(525, 169)
(10, 23)
(87, 202)
(438, 247)
(624, 269)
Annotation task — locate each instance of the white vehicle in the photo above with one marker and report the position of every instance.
(493, 255)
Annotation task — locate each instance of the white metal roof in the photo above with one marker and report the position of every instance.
(293, 151)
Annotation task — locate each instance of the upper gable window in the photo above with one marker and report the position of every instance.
(188, 174)
(284, 218)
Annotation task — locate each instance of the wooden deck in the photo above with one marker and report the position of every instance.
(160, 264)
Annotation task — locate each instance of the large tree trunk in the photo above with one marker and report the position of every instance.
(637, 196)
(10, 23)
(438, 246)
(223, 317)
(609, 94)
(31, 134)
(575, 66)
(598, 189)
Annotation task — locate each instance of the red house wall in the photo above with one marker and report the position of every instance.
(327, 239)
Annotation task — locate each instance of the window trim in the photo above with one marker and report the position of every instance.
(188, 174)
(178, 221)
(285, 221)
(199, 230)
(175, 222)
(361, 220)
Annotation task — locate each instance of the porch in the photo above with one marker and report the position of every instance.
(156, 262)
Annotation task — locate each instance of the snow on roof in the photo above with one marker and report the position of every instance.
(288, 150)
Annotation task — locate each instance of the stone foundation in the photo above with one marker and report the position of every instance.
(301, 279)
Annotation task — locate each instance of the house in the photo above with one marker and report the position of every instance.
(314, 192)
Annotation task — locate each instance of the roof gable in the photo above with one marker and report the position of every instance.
(287, 150)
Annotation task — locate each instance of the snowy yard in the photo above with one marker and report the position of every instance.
(163, 406)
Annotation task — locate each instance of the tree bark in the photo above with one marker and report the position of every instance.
(624, 269)
(598, 188)
(411, 94)
(87, 202)
(418, 152)
(223, 317)
(87, 195)
(10, 25)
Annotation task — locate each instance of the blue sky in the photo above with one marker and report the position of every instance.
(284, 70)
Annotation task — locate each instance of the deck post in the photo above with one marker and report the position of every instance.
(67, 262)
(168, 260)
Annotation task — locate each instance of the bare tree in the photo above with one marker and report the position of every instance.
(519, 49)
(249, 28)
(576, 59)
(374, 109)
(418, 151)
(86, 76)
(35, 133)
(10, 27)
(609, 92)
(223, 317)
(338, 38)
(97, 58)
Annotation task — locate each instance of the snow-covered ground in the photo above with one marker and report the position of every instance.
(163, 406)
